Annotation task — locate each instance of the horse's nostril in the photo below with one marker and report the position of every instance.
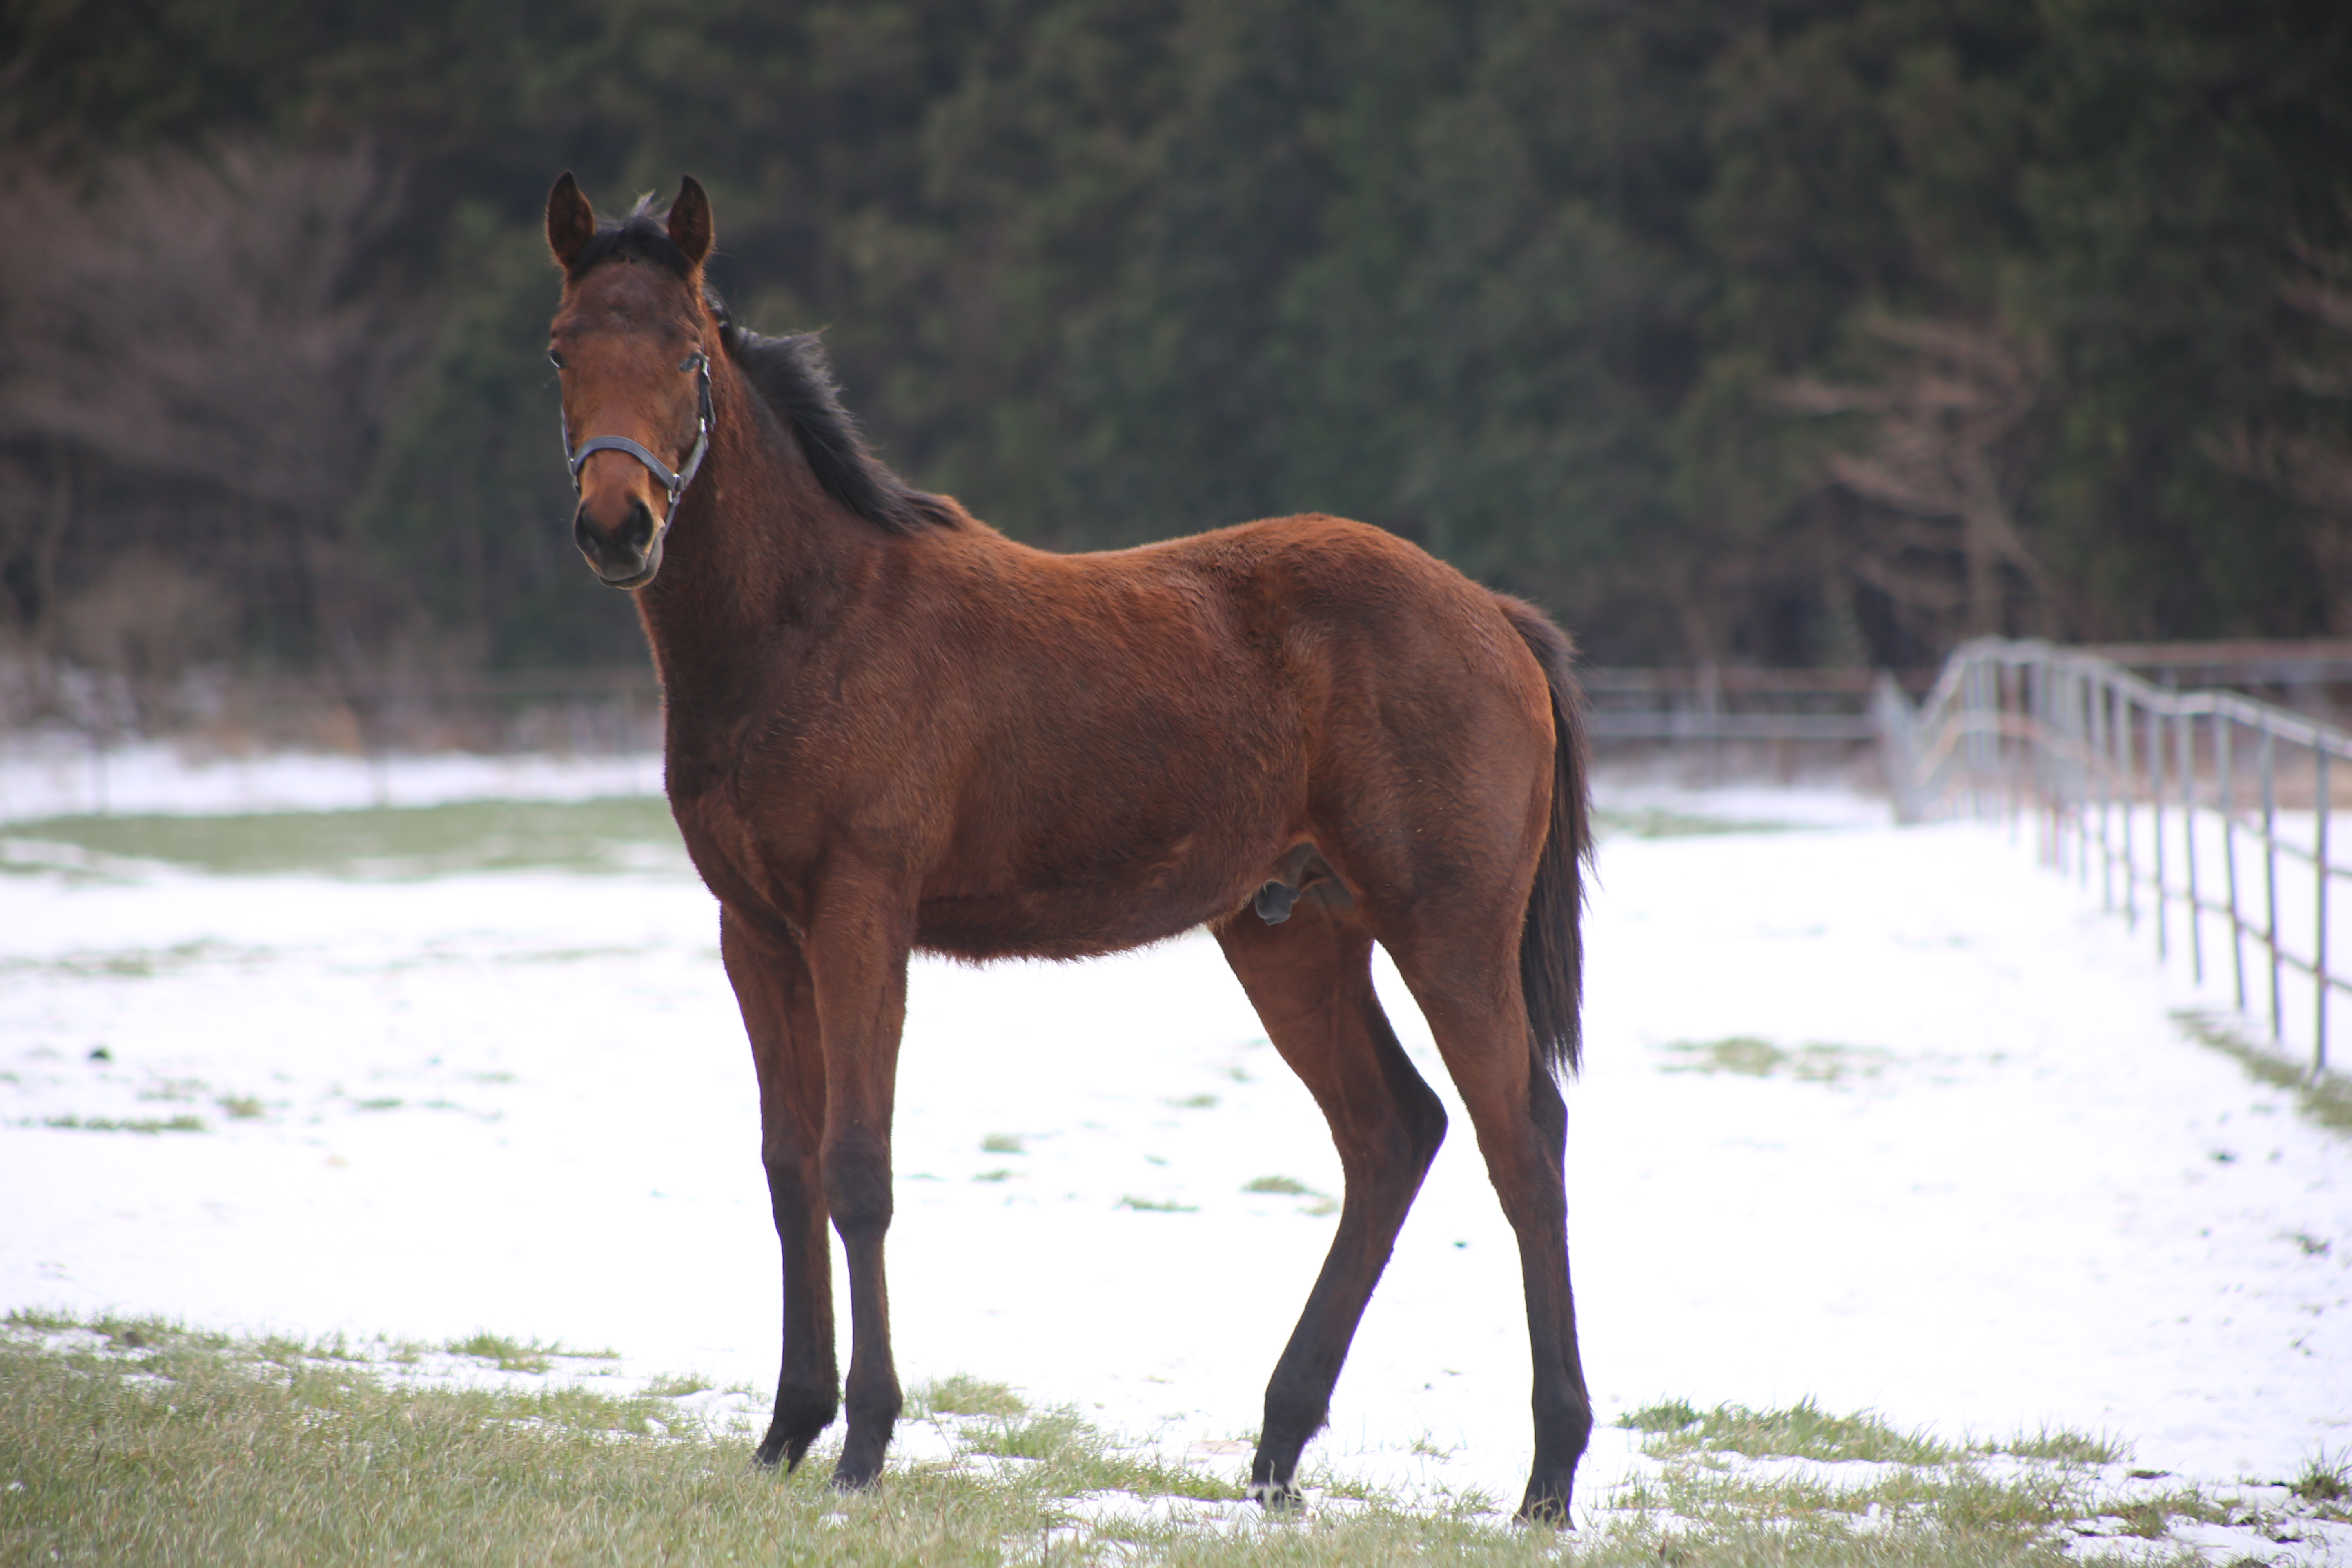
(581, 534)
(639, 534)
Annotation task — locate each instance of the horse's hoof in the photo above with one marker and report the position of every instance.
(1277, 1496)
(854, 1475)
(1545, 1504)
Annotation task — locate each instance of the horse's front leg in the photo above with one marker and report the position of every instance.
(857, 944)
(772, 988)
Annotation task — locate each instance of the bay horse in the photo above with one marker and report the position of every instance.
(891, 728)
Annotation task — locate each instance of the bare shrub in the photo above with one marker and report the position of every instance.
(197, 330)
(1943, 543)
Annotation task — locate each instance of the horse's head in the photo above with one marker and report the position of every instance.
(633, 341)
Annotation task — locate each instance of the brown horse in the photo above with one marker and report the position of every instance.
(891, 728)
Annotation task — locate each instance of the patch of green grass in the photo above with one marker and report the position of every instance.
(2149, 1518)
(1802, 1431)
(2325, 1100)
(1750, 1057)
(2064, 1447)
(1196, 1102)
(1002, 1175)
(963, 1395)
(1028, 1435)
(2324, 1481)
(1074, 1457)
(1742, 1486)
(241, 1106)
(1002, 1143)
(40, 1319)
(145, 1125)
(509, 1354)
(1667, 1416)
(1157, 1205)
(165, 1445)
(392, 1102)
(396, 843)
(1281, 1186)
(676, 1385)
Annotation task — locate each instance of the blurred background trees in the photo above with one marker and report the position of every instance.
(1799, 332)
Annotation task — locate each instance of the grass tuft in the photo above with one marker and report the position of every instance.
(143, 1125)
(2325, 1098)
(521, 1355)
(676, 1385)
(1803, 1431)
(1745, 1055)
(963, 1395)
(1281, 1186)
(1157, 1205)
(1667, 1416)
(2324, 1480)
(1002, 1143)
(2063, 1445)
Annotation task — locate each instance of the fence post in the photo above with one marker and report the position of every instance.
(2155, 802)
(2104, 751)
(2321, 875)
(1897, 748)
(2079, 711)
(2186, 735)
(2270, 875)
(2226, 761)
(2127, 746)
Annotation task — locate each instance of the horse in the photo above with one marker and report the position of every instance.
(889, 728)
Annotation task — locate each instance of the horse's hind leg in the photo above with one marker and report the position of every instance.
(1310, 980)
(1468, 986)
(772, 986)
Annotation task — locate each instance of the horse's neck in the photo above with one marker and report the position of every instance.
(758, 564)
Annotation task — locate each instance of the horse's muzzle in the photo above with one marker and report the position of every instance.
(623, 557)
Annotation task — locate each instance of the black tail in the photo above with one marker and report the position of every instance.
(1551, 945)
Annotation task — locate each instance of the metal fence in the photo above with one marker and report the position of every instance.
(2194, 811)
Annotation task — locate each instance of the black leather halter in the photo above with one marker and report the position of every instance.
(674, 483)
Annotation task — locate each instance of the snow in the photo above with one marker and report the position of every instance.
(2012, 1193)
(47, 774)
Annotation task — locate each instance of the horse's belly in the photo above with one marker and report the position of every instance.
(1086, 911)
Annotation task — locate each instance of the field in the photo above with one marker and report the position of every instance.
(1899, 1170)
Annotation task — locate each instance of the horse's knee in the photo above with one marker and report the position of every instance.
(857, 1188)
(792, 1175)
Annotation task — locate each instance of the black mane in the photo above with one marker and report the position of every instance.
(792, 374)
(794, 377)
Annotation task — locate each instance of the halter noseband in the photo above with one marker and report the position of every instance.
(674, 483)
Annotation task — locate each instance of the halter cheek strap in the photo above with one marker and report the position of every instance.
(674, 482)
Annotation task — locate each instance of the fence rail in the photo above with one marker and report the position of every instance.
(2186, 807)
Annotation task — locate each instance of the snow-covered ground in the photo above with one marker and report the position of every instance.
(1977, 1179)
(58, 773)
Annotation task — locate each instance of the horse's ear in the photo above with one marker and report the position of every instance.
(570, 221)
(690, 229)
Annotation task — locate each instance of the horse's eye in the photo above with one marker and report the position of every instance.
(692, 362)
(555, 358)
